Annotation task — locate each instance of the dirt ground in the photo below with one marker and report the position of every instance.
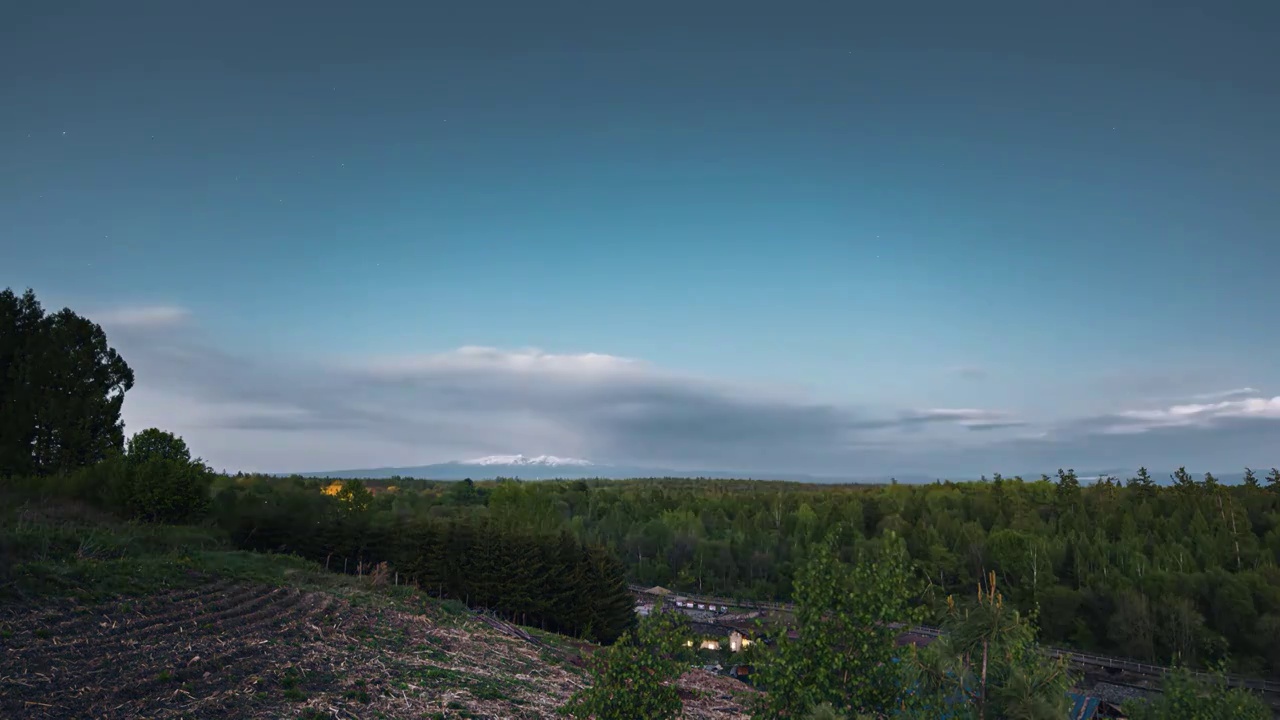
(235, 650)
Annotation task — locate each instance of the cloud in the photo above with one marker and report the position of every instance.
(967, 418)
(254, 411)
(1224, 394)
(142, 317)
(251, 410)
(968, 372)
(526, 362)
(1220, 436)
(1194, 415)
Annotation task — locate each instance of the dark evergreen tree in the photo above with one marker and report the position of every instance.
(1068, 486)
(1183, 482)
(61, 390)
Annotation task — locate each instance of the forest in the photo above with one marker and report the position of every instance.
(1183, 571)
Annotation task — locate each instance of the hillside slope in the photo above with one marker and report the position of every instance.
(111, 620)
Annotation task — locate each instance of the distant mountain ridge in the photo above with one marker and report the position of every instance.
(551, 467)
(522, 461)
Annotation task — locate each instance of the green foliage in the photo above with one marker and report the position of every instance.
(156, 444)
(824, 711)
(152, 490)
(635, 677)
(152, 485)
(986, 665)
(352, 496)
(844, 649)
(163, 491)
(159, 482)
(548, 579)
(1068, 486)
(1184, 696)
(465, 492)
(1174, 561)
(61, 390)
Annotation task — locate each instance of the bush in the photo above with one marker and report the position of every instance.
(1184, 696)
(636, 677)
(156, 490)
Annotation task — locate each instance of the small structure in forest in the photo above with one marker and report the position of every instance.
(738, 641)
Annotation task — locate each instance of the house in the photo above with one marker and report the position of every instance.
(738, 642)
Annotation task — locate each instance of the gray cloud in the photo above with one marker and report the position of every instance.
(1226, 394)
(252, 412)
(143, 317)
(968, 372)
(968, 418)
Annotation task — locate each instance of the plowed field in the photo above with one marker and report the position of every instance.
(235, 650)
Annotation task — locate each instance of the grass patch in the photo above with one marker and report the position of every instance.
(60, 550)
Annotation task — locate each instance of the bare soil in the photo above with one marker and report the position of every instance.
(234, 650)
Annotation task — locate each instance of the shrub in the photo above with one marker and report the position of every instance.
(1184, 695)
(636, 676)
(167, 491)
(156, 490)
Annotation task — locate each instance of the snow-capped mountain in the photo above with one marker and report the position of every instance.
(522, 461)
(549, 467)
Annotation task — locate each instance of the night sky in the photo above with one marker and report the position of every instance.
(929, 237)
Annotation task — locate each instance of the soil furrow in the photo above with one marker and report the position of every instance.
(175, 632)
(142, 609)
(181, 613)
(289, 605)
(123, 641)
(184, 617)
(170, 678)
(131, 633)
(253, 652)
(228, 618)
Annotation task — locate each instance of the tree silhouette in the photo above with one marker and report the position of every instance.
(61, 389)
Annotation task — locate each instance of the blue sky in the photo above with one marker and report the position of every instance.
(737, 237)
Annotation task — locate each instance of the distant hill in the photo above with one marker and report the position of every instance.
(546, 467)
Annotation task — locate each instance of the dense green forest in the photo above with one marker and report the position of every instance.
(1185, 571)
(841, 660)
